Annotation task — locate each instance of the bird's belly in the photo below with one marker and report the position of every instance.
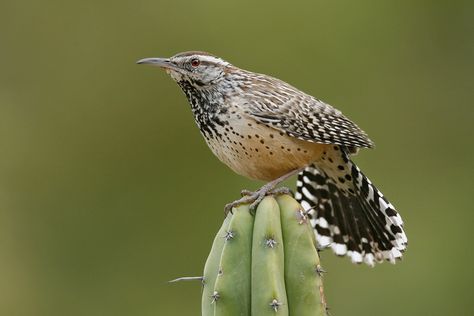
(259, 152)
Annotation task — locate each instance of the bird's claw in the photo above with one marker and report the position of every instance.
(245, 192)
(243, 200)
(259, 197)
(228, 209)
(254, 198)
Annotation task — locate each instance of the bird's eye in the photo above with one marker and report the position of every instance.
(195, 62)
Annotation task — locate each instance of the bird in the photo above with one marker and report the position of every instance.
(265, 129)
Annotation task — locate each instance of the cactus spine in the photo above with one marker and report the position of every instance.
(265, 264)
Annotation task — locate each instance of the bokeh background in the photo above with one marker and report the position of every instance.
(107, 190)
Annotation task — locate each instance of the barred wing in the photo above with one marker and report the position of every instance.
(309, 119)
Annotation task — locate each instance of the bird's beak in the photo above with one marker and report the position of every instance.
(159, 62)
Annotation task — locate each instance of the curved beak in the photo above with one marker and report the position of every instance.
(159, 62)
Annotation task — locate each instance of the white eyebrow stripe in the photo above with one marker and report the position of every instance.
(211, 59)
(202, 57)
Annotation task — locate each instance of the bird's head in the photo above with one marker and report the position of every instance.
(200, 69)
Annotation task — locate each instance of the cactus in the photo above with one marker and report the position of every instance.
(265, 264)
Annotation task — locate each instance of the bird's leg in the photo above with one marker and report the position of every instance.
(257, 196)
(274, 191)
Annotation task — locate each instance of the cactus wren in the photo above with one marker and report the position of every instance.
(265, 129)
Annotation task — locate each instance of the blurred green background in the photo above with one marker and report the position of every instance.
(107, 190)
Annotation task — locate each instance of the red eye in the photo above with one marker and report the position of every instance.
(195, 62)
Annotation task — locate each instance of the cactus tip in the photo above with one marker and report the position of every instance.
(270, 242)
(229, 235)
(327, 311)
(187, 279)
(320, 270)
(302, 216)
(306, 212)
(275, 305)
(215, 297)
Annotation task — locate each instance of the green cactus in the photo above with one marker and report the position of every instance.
(265, 264)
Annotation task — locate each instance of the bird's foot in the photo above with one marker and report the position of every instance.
(245, 192)
(255, 197)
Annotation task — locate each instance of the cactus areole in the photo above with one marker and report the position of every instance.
(265, 264)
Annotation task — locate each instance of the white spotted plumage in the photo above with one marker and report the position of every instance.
(377, 232)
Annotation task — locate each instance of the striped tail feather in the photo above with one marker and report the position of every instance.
(348, 213)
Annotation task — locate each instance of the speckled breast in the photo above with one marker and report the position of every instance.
(260, 152)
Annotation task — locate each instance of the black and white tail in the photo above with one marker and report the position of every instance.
(347, 211)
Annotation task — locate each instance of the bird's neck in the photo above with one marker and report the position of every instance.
(207, 105)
